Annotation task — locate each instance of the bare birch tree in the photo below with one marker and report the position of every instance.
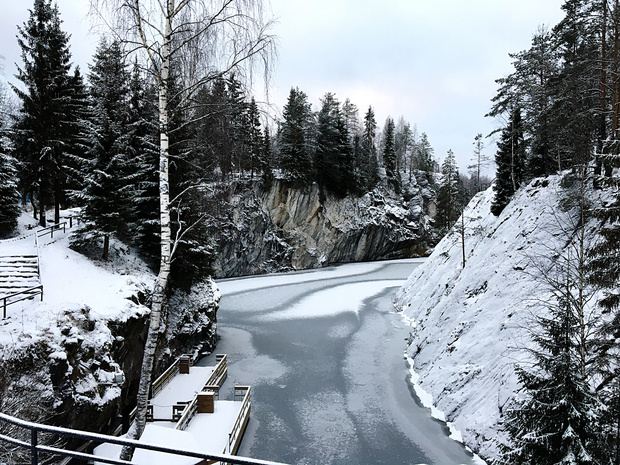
(202, 39)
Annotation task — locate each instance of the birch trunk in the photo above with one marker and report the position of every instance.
(159, 290)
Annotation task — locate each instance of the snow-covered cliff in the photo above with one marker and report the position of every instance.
(285, 228)
(74, 358)
(469, 324)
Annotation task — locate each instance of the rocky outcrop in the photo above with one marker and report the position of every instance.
(83, 372)
(289, 228)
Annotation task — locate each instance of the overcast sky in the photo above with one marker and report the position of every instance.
(434, 62)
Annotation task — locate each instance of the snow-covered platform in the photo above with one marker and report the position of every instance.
(179, 384)
(185, 413)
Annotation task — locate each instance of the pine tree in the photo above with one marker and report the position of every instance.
(295, 145)
(479, 162)
(510, 163)
(41, 128)
(576, 89)
(107, 188)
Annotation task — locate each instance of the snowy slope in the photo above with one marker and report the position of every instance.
(70, 281)
(468, 325)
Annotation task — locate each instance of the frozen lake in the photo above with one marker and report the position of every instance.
(323, 352)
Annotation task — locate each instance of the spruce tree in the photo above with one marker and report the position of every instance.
(389, 157)
(450, 195)
(255, 138)
(107, 188)
(266, 160)
(295, 145)
(369, 167)
(42, 131)
(9, 195)
(510, 163)
(144, 228)
(334, 163)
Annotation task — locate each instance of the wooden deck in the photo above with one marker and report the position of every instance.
(185, 410)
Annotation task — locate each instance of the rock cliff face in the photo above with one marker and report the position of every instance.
(288, 228)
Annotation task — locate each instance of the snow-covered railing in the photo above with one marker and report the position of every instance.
(25, 295)
(220, 372)
(188, 414)
(34, 448)
(236, 434)
(165, 378)
(51, 229)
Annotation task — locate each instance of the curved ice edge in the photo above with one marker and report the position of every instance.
(427, 401)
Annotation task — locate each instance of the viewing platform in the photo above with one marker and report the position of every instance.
(185, 412)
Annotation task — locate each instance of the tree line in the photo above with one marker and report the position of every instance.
(93, 141)
(561, 107)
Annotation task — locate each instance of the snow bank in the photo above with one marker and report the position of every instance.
(467, 324)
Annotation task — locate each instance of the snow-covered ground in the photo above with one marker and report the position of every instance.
(71, 282)
(469, 325)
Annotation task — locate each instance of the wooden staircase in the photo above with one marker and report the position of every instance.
(19, 279)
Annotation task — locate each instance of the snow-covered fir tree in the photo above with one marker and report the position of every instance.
(451, 196)
(369, 166)
(295, 144)
(107, 167)
(390, 162)
(334, 163)
(42, 134)
(9, 195)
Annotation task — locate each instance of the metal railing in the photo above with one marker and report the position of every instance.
(51, 229)
(35, 448)
(29, 293)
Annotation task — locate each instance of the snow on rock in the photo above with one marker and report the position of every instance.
(287, 228)
(60, 357)
(467, 324)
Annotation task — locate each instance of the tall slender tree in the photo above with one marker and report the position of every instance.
(42, 132)
(296, 146)
(510, 162)
(368, 163)
(390, 161)
(183, 32)
(107, 167)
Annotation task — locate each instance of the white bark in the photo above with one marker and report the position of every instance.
(205, 39)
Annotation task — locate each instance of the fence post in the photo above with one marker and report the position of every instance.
(4, 313)
(34, 456)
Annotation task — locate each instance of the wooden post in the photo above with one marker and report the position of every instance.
(206, 402)
(184, 365)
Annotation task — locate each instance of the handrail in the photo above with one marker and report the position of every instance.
(220, 372)
(35, 448)
(4, 298)
(162, 381)
(241, 420)
(189, 413)
(41, 232)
